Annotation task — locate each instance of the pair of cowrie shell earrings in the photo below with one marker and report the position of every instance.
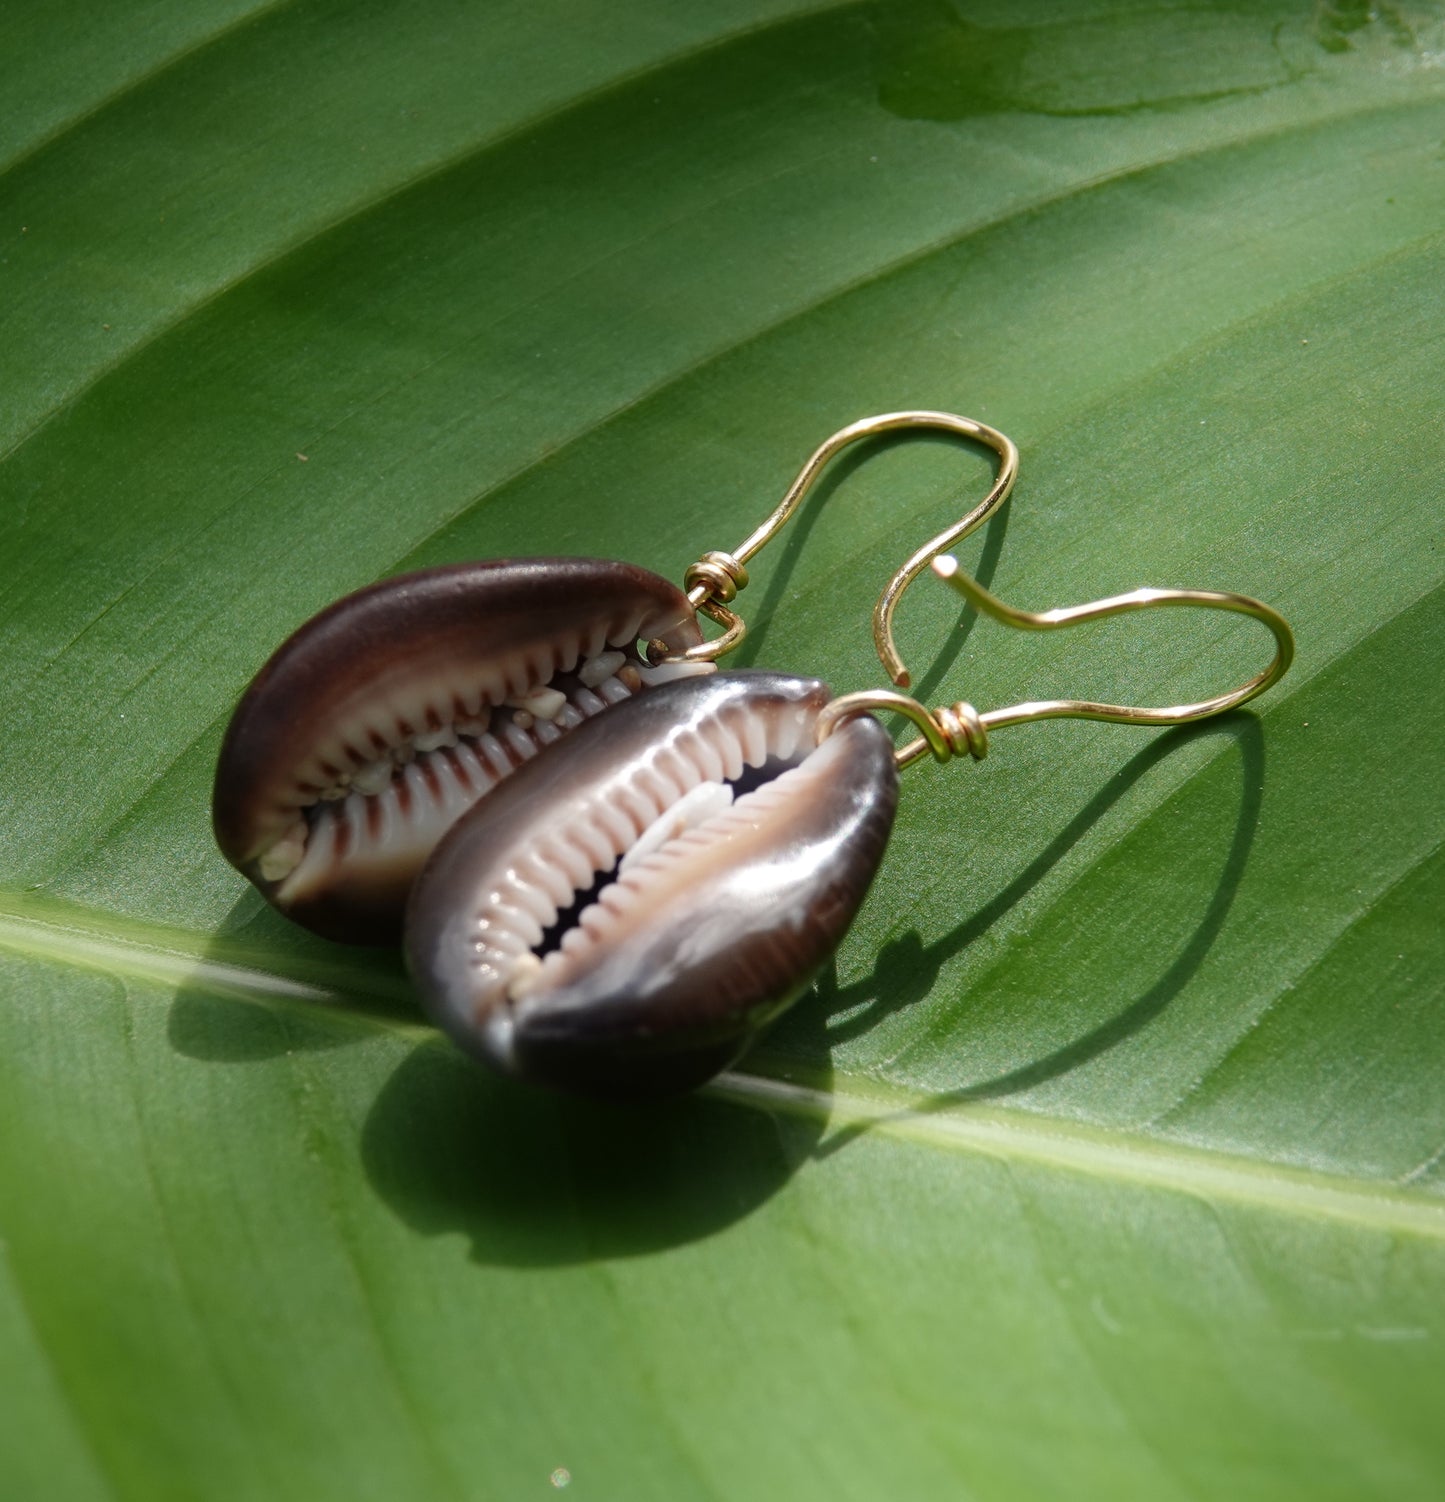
(610, 863)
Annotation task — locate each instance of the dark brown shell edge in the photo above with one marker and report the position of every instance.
(730, 936)
(376, 641)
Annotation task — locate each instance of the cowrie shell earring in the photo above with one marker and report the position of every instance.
(384, 718)
(630, 909)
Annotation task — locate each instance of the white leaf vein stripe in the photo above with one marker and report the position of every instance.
(1016, 1137)
(979, 1131)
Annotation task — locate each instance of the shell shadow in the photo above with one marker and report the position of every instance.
(534, 1179)
(528, 1177)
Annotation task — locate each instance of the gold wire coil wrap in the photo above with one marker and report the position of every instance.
(712, 583)
(960, 728)
(716, 574)
(964, 729)
(953, 730)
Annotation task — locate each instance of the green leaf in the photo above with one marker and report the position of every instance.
(1109, 1159)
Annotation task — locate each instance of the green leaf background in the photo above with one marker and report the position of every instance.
(1109, 1161)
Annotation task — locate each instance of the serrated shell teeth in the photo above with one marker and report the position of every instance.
(604, 665)
(285, 855)
(667, 672)
(669, 915)
(525, 977)
(542, 703)
(694, 808)
(373, 777)
(397, 705)
(517, 738)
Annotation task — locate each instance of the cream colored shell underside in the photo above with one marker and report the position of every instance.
(398, 826)
(565, 857)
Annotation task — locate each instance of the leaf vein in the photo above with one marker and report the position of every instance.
(407, 183)
(1342, 936)
(140, 81)
(968, 1128)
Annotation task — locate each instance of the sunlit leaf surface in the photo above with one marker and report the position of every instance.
(1109, 1160)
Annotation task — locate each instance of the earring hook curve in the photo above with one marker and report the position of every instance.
(713, 582)
(958, 728)
(948, 570)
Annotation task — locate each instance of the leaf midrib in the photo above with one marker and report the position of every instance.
(853, 1106)
(1098, 1152)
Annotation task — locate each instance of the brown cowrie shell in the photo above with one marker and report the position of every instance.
(386, 716)
(626, 912)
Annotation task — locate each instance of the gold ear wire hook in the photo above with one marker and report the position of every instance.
(713, 582)
(958, 728)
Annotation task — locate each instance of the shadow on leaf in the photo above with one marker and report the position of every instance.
(536, 1179)
(907, 969)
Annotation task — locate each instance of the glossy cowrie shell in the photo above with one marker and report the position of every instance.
(386, 716)
(540, 946)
